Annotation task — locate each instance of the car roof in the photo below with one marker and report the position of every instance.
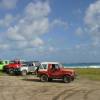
(49, 62)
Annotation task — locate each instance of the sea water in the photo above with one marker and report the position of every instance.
(82, 65)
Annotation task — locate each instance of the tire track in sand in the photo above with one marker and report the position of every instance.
(62, 93)
(86, 95)
(74, 92)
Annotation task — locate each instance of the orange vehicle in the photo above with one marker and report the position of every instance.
(54, 70)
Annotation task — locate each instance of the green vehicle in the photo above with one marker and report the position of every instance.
(3, 63)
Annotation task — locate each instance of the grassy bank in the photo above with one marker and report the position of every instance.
(90, 73)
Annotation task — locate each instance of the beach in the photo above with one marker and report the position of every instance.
(30, 88)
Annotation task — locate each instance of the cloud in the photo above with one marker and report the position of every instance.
(33, 27)
(38, 9)
(6, 21)
(78, 46)
(58, 22)
(96, 42)
(30, 24)
(51, 49)
(92, 21)
(93, 14)
(12, 34)
(8, 4)
(23, 32)
(4, 46)
(33, 23)
(37, 42)
(29, 27)
(79, 31)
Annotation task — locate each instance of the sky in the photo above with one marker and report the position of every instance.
(50, 30)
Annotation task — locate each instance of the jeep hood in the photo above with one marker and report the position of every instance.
(67, 70)
(12, 65)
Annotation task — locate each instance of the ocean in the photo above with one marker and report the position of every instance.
(82, 65)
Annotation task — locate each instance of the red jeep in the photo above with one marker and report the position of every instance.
(54, 70)
(13, 66)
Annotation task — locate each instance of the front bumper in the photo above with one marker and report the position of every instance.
(15, 70)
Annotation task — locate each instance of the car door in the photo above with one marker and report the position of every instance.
(31, 67)
(55, 71)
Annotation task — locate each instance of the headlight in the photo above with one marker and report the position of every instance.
(17, 66)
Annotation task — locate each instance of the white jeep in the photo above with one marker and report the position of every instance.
(28, 67)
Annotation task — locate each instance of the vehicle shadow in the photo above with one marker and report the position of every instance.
(38, 80)
(31, 80)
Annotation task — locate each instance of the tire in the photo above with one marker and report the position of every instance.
(10, 71)
(24, 73)
(66, 79)
(72, 79)
(44, 78)
(7, 71)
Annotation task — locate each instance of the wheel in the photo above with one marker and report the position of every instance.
(67, 79)
(24, 73)
(44, 78)
(7, 71)
(49, 79)
(10, 71)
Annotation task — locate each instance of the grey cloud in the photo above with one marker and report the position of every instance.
(92, 21)
(8, 4)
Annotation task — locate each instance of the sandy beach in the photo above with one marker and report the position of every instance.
(30, 88)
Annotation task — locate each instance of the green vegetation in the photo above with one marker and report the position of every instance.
(1, 73)
(90, 73)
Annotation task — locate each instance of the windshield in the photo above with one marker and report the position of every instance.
(1, 62)
(17, 62)
(44, 66)
(11, 62)
(61, 66)
(40, 67)
(56, 66)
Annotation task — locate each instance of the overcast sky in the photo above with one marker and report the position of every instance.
(50, 30)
